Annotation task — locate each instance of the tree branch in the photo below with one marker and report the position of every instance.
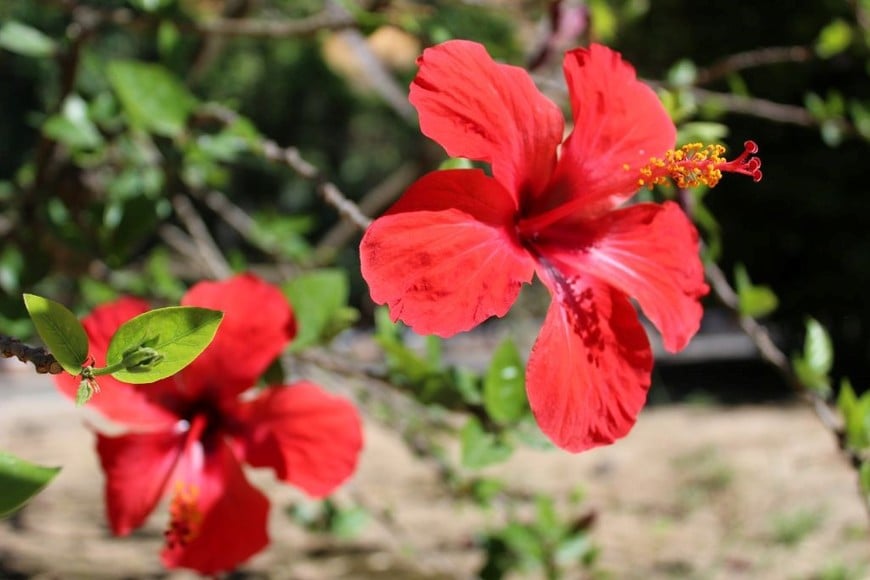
(43, 360)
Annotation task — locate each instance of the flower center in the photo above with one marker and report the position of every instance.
(185, 518)
(696, 164)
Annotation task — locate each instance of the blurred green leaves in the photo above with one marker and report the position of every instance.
(753, 300)
(813, 366)
(152, 98)
(25, 40)
(319, 300)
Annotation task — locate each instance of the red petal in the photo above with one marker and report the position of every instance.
(648, 251)
(258, 323)
(589, 371)
(145, 406)
(446, 256)
(226, 516)
(618, 122)
(136, 467)
(311, 438)
(476, 108)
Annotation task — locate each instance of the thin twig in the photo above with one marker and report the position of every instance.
(372, 203)
(780, 361)
(330, 193)
(43, 360)
(205, 244)
(755, 107)
(326, 20)
(752, 59)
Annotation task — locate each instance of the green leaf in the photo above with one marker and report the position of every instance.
(504, 387)
(856, 416)
(178, 333)
(754, 301)
(72, 126)
(25, 40)
(834, 38)
(480, 448)
(864, 477)
(456, 163)
(348, 523)
(152, 97)
(683, 74)
(818, 358)
(60, 330)
(319, 300)
(21, 480)
(818, 349)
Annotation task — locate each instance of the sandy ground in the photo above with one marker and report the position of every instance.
(693, 492)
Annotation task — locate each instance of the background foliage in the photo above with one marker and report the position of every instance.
(146, 144)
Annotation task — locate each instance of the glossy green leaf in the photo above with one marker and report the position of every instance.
(60, 330)
(178, 333)
(755, 301)
(20, 480)
(504, 387)
(480, 448)
(152, 97)
(319, 302)
(25, 40)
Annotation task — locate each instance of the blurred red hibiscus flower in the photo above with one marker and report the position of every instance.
(459, 244)
(188, 435)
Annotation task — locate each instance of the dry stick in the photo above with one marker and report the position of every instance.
(291, 157)
(372, 203)
(43, 360)
(326, 20)
(205, 244)
(759, 335)
(753, 58)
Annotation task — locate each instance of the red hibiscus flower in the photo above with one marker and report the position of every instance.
(457, 247)
(189, 434)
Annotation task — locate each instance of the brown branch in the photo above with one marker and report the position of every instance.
(752, 59)
(204, 243)
(43, 360)
(330, 193)
(372, 203)
(755, 107)
(326, 20)
(780, 361)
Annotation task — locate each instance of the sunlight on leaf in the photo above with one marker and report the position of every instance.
(177, 333)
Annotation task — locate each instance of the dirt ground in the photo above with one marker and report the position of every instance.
(694, 492)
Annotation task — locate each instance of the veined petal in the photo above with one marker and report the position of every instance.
(589, 370)
(648, 251)
(311, 438)
(140, 406)
(258, 323)
(619, 123)
(476, 108)
(218, 520)
(446, 257)
(137, 467)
